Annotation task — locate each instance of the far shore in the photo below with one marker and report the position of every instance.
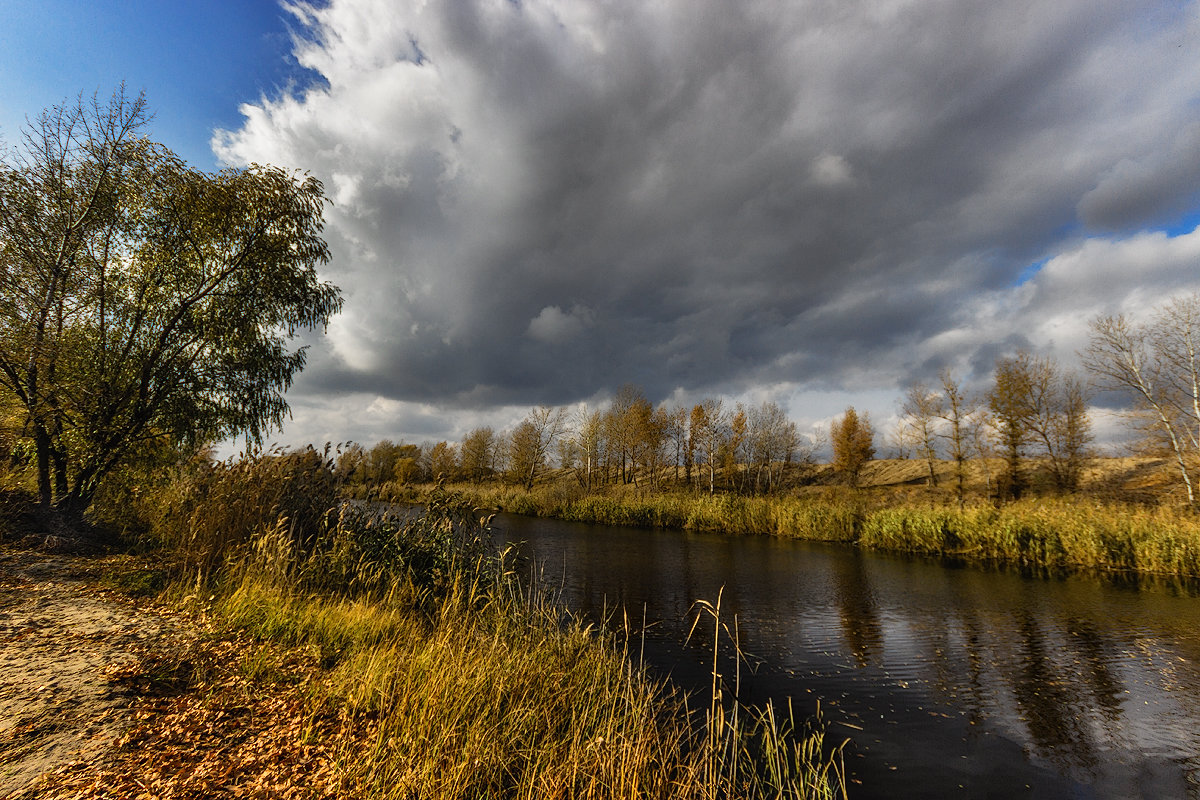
(1124, 519)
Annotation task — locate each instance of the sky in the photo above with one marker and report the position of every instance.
(815, 202)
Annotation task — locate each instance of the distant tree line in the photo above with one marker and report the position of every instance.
(1028, 428)
(709, 446)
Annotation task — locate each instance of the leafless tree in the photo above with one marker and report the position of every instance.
(531, 442)
(773, 444)
(924, 409)
(957, 410)
(588, 436)
(902, 439)
(1156, 364)
(981, 433)
(677, 436)
(1038, 408)
(1059, 421)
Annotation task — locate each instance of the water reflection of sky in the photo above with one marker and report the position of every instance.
(951, 682)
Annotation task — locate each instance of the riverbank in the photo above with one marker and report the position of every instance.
(1046, 533)
(354, 656)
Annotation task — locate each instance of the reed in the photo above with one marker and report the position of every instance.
(835, 516)
(461, 683)
(1073, 533)
(210, 512)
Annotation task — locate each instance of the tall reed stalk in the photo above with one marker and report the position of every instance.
(460, 683)
(750, 751)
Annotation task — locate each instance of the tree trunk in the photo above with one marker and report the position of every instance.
(42, 443)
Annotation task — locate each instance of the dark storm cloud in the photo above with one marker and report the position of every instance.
(538, 202)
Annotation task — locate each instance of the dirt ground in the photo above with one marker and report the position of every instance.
(105, 696)
(63, 642)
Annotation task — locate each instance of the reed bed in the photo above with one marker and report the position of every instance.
(461, 682)
(1050, 533)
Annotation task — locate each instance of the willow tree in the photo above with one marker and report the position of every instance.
(143, 300)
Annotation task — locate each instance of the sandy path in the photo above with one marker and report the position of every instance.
(60, 643)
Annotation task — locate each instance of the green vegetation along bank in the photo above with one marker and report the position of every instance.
(1049, 533)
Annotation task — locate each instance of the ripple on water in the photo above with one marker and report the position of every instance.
(949, 681)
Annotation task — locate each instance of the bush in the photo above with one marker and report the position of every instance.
(370, 549)
(213, 510)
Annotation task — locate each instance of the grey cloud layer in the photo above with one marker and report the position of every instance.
(538, 201)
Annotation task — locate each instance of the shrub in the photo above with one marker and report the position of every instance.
(212, 510)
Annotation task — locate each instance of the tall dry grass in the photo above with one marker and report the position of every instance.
(1050, 533)
(211, 511)
(498, 698)
(468, 685)
(1056, 533)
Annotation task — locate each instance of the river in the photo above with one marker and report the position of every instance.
(948, 682)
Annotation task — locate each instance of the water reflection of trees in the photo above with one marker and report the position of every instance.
(1047, 663)
(857, 610)
(994, 650)
(1097, 653)
(1049, 696)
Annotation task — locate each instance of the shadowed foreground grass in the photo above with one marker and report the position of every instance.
(457, 682)
(484, 692)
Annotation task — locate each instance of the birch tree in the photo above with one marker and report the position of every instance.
(1155, 364)
(709, 421)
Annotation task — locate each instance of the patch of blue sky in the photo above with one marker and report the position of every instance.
(196, 61)
(1030, 272)
(1184, 224)
(1178, 226)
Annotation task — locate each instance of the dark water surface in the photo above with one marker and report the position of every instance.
(948, 682)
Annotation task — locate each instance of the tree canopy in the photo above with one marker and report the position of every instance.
(144, 300)
(853, 443)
